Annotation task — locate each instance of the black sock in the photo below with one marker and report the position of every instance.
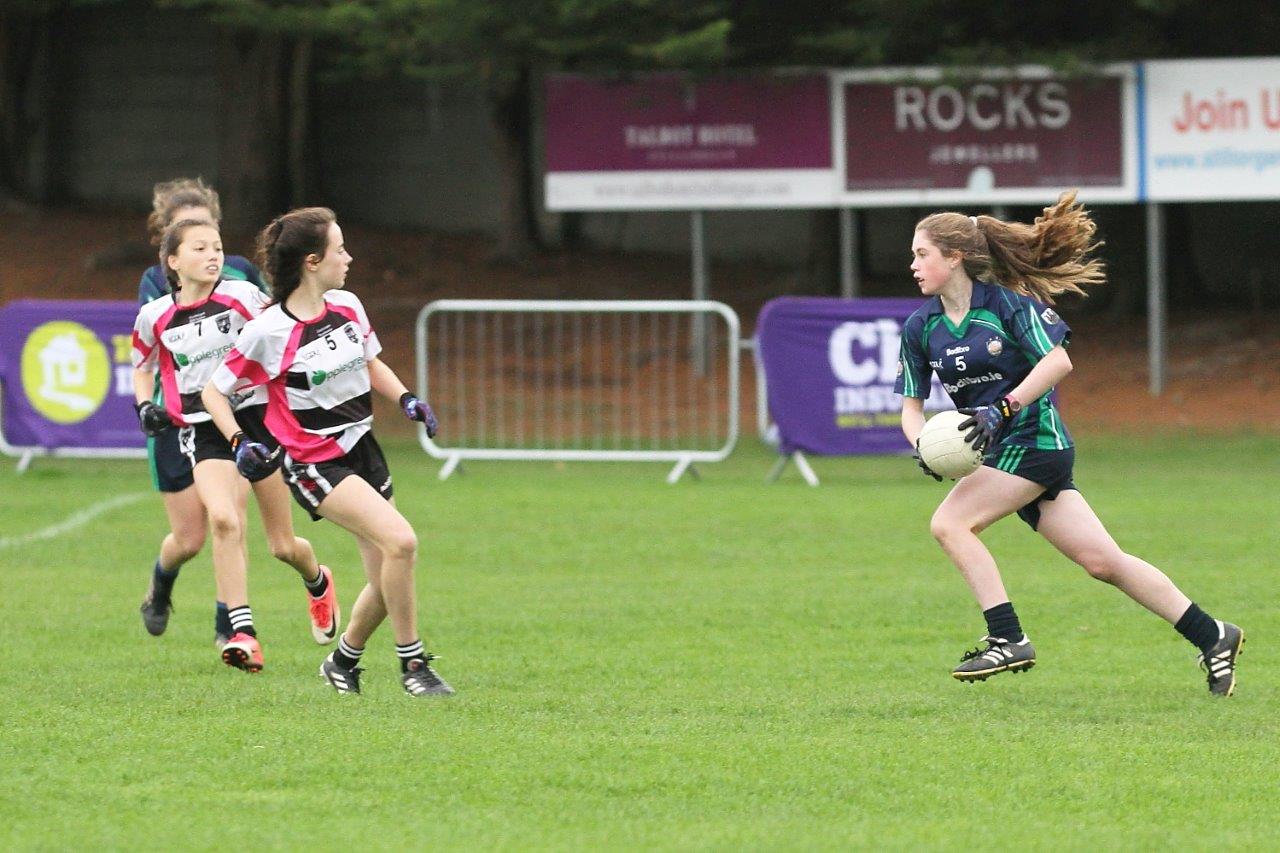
(319, 586)
(1002, 622)
(1200, 629)
(242, 621)
(346, 655)
(163, 580)
(409, 651)
(221, 621)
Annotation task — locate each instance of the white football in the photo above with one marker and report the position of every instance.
(943, 448)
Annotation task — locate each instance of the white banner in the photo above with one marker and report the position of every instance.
(1212, 129)
(684, 190)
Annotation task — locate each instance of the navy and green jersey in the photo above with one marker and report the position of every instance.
(985, 357)
(154, 284)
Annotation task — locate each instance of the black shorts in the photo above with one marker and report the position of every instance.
(311, 482)
(1050, 468)
(205, 441)
(170, 467)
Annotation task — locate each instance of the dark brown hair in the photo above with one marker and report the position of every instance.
(283, 246)
(171, 238)
(170, 196)
(1042, 260)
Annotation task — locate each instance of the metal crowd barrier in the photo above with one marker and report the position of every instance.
(568, 380)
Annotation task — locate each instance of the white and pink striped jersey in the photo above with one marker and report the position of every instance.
(319, 400)
(186, 343)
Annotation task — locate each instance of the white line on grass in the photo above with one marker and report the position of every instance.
(72, 522)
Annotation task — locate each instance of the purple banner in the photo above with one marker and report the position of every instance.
(829, 367)
(68, 378)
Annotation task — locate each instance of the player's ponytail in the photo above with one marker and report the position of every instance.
(283, 247)
(1042, 260)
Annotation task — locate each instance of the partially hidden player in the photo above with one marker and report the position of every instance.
(184, 336)
(181, 198)
(999, 351)
(317, 354)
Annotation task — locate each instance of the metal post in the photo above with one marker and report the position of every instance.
(1156, 302)
(700, 289)
(850, 287)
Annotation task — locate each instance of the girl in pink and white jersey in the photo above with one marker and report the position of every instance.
(185, 336)
(317, 354)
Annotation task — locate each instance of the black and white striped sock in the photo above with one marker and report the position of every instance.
(319, 586)
(409, 651)
(242, 620)
(346, 655)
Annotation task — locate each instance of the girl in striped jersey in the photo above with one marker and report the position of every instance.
(185, 336)
(999, 351)
(317, 355)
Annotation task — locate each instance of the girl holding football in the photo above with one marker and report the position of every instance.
(317, 354)
(999, 350)
(184, 336)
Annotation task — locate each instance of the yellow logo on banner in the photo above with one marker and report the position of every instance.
(65, 371)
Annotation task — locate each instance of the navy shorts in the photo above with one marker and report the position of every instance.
(170, 467)
(311, 482)
(1050, 468)
(205, 441)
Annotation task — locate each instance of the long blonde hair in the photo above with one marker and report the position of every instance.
(1042, 260)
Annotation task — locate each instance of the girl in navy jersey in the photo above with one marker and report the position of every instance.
(184, 336)
(182, 198)
(999, 350)
(317, 355)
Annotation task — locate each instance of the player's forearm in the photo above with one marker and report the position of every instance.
(219, 408)
(912, 418)
(143, 383)
(1047, 373)
(384, 380)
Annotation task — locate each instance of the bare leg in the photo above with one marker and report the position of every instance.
(225, 494)
(1071, 526)
(369, 610)
(975, 503)
(187, 525)
(274, 502)
(355, 506)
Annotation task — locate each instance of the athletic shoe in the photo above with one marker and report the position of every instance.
(1000, 655)
(220, 640)
(325, 616)
(1219, 663)
(339, 677)
(155, 611)
(421, 680)
(243, 651)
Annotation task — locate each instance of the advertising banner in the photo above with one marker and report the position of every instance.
(673, 142)
(68, 378)
(1212, 129)
(914, 137)
(829, 367)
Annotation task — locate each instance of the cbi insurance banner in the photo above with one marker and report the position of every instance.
(917, 137)
(829, 367)
(1212, 129)
(68, 378)
(673, 142)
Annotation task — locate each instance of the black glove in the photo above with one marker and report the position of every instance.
(985, 423)
(418, 410)
(253, 459)
(929, 472)
(153, 419)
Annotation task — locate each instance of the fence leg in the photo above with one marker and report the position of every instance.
(452, 463)
(802, 465)
(685, 464)
(24, 462)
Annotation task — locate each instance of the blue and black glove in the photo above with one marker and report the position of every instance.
(254, 459)
(985, 423)
(153, 419)
(929, 472)
(418, 410)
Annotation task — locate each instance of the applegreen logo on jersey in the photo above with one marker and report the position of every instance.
(65, 371)
(318, 378)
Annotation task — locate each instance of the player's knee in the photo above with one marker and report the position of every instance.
(188, 544)
(224, 525)
(282, 548)
(1102, 565)
(944, 528)
(400, 545)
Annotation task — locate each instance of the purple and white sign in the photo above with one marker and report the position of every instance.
(668, 141)
(829, 367)
(915, 137)
(68, 378)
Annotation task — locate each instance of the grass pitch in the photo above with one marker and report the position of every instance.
(720, 664)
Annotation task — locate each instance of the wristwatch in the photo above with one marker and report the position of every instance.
(1013, 403)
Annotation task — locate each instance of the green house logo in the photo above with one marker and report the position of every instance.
(318, 378)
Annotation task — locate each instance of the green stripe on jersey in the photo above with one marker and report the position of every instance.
(1051, 435)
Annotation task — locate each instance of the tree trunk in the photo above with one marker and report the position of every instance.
(510, 111)
(251, 137)
(300, 169)
(26, 93)
(822, 267)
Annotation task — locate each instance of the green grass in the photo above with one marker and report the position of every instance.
(714, 665)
